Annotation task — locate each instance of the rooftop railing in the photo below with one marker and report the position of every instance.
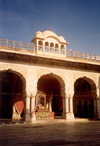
(6, 44)
(17, 46)
(80, 55)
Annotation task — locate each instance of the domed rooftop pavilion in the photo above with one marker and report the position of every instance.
(48, 43)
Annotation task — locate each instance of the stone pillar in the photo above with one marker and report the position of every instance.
(67, 105)
(95, 105)
(67, 116)
(28, 118)
(50, 105)
(64, 111)
(98, 104)
(33, 117)
(98, 107)
(95, 108)
(71, 107)
(70, 104)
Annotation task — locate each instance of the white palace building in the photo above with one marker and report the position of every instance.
(44, 80)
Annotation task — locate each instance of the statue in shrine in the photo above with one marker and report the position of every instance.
(40, 102)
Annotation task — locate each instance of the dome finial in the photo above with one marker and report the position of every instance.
(49, 28)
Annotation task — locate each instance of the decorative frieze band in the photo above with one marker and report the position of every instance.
(48, 61)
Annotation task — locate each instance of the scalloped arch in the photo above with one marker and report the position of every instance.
(92, 84)
(60, 80)
(19, 75)
(90, 81)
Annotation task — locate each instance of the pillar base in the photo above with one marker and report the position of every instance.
(69, 116)
(16, 116)
(33, 117)
(28, 118)
(96, 115)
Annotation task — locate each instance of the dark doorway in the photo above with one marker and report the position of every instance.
(5, 100)
(83, 101)
(51, 87)
(11, 92)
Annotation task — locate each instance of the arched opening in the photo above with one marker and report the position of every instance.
(11, 96)
(52, 88)
(51, 47)
(83, 102)
(56, 48)
(40, 46)
(46, 46)
(62, 50)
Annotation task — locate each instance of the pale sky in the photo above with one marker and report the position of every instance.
(78, 21)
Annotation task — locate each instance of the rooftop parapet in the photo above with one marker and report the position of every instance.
(46, 51)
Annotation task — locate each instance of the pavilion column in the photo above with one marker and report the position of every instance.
(33, 117)
(27, 117)
(37, 46)
(59, 49)
(43, 48)
(65, 50)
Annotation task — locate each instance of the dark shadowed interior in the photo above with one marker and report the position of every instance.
(11, 93)
(51, 87)
(83, 103)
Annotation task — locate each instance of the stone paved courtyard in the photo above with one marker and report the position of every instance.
(50, 133)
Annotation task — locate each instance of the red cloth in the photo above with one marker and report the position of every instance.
(51, 88)
(16, 91)
(19, 103)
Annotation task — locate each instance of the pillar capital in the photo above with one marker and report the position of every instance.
(33, 95)
(66, 96)
(28, 95)
(70, 96)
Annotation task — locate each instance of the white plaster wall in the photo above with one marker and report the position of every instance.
(31, 73)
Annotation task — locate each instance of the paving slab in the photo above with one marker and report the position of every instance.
(56, 132)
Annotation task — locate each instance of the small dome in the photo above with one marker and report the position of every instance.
(38, 33)
(49, 33)
(61, 38)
